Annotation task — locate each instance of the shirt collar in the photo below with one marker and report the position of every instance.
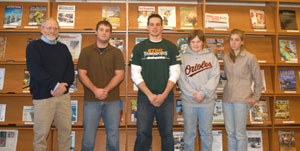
(48, 41)
(243, 53)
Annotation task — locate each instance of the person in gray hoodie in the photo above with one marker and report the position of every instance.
(199, 78)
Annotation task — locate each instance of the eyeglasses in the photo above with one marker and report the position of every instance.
(51, 28)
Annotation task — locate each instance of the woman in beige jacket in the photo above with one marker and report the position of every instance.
(241, 68)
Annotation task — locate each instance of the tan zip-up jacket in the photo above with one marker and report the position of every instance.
(240, 76)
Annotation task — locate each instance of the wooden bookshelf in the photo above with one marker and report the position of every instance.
(263, 44)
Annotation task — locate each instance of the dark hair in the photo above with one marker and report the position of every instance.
(196, 33)
(104, 22)
(155, 15)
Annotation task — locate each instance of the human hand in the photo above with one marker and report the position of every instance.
(152, 98)
(159, 100)
(60, 90)
(198, 97)
(101, 94)
(251, 102)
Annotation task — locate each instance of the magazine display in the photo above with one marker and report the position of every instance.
(216, 46)
(168, 14)
(118, 43)
(282, 110)
(74, 86)
(72, 148)
(259, 112)
(2, 112)
(182, 45)
(111, 14)
(143, 13)
(218, 116)
(288, 20)
(133, 110)
(222, 81)
(26, 81)
(217, 140)
(258, 20)
(73, 42)
(13, 16)
(121, 111)
(2, 77)
(8, 140)
(28, 114)
(288, 51)
(255, 140)
(188, 17)
(179, 112)
(74, 104)
(138, 40)
(178, 141)
(287, 140)
(287, 80)
(37, 14)
(220, 21)
(2, 47)
(66, 15)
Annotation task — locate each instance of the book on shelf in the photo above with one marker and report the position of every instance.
(74, 105)
(178, 141)
(133, 110)
(72, 148)
(288, 51)
(8, 140)
(121, 111)
(263, 81)
(111, 14)
(222, 81)
(179, 112)
(26, 81)
(255, 140)
(28, 114)
(287, 140)
(298, 76)
(168, 14)
(258, 19)
(188, 17)
(287, 80)
(216, 46)
(73, 42)
(66, 15)
(2, 47)
(259, 112)
(37, 14)
(138, 40)
(118, 43)
(13, 16)
(2, 77)
(143, 13)
(219, 21)
(182, 45)
(2, 112)
(282, 110)
(218, 116)
(288, 19)
(74, 86)
(217, 140)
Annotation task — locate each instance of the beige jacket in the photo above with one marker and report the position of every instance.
(240, 76)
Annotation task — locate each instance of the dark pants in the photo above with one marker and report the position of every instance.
(145, 116)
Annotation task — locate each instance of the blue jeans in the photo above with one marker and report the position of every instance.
(235, 117)
(145, 116)
(205, 117)
(92, 112)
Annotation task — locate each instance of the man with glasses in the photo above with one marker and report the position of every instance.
(51, 73)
